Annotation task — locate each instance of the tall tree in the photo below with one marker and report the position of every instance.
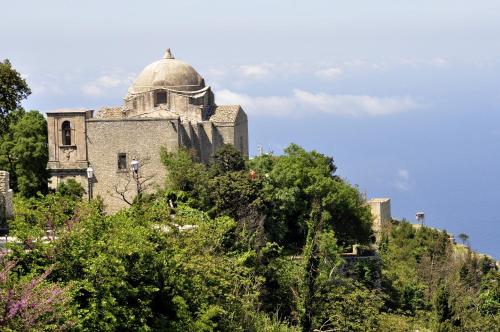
(226, 159)
(23, 135)
(23, 152)
(13, 89)
(294, 181)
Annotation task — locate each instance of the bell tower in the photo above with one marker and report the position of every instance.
(67, 143)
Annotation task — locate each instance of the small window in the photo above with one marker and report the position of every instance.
(160, 98)
(66, 133)
(197, 101)
(122, 161)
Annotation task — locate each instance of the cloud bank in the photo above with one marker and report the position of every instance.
(102, 84)
(301, 103)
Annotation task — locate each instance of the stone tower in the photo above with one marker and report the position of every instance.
(381, 212)
(67, 142)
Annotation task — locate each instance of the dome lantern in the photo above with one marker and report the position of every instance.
(168, 54)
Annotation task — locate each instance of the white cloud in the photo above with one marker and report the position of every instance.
(330, 73)
(273, 105)
(355, 63)
(93, 90)
(355, 104)
(218, 72)
(301, 103)
(109, 81)
(255, 71)
(439, 62)
(403, 180)
(99, 86)
(44, 88)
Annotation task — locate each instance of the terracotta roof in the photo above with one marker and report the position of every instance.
(110, 113)
(225, 113)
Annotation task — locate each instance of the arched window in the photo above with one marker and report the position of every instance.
(66, 133)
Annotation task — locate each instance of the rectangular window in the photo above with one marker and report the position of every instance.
(160, 98)
(122, 161)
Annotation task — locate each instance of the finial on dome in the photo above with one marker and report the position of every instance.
(168, 54)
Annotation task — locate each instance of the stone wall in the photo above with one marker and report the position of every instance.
(5, 197)
(140, 138)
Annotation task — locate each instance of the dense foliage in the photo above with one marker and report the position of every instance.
(273, 193)
(13, 89)
(435, 283)
(24, 154)
(23, 136)
(237, 246)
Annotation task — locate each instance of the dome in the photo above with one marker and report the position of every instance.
(168, 73)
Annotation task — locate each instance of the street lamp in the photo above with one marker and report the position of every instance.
(134, 165)
(90, 176)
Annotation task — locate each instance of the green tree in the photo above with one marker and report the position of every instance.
(237, 195)
(23, 152)
(443, 310)
(226, 159)
(297, 180)
(71, 188)
(186, 179)
(136, 270)
(345, 305)
(13, 89)
(463, 237)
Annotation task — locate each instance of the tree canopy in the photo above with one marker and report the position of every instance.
(253, 246)
(23, 136)
(24, 154)
(13, 89)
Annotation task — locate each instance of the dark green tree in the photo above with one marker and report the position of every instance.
(71, 188)
(463, 237)
(186, 177)
(296, 180)
(226, 159)
(23, 152)
(443, 310)
(13, 89)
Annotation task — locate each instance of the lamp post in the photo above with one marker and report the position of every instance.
(134, 165)
(90, 176)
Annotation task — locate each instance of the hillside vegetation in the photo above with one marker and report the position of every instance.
(236, 246)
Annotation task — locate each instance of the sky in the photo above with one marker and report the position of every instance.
(405, 95)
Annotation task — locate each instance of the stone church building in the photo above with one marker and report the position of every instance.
(168, 106)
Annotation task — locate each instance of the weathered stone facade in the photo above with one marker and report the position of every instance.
(5, 197)
(168, 106)
(381, 212)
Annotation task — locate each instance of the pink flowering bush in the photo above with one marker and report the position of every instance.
(29, 304)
